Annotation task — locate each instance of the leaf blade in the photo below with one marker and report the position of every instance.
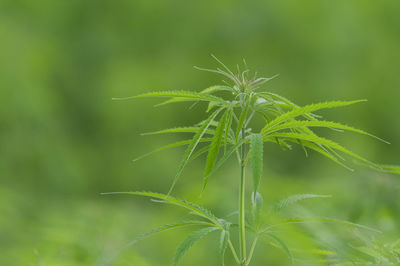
(256, 160)
(189, 242)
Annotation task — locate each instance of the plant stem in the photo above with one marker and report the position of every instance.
(253, 246)
(242, 224)
(233, 252)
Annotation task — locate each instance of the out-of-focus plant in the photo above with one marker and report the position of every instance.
(228, 130)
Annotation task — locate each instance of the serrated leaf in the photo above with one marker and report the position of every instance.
(242, 119)
(163, 198)
(178, 130)
(160, 229)
(327, 143)
(223, 242)
(256, 159)
(226, 156)
(306, 110)
(281, 244)
(214, 148)
(189, 242)
(318, 123)
(178, 94)
(216, 88)
(228, 126)
(294, 199)
(318, 219)
(192, 146)
(256, 203)
(172, 145)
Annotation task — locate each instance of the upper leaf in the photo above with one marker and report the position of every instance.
(178, 94)
(306, 110)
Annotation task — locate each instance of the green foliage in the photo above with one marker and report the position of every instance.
(293, 199)
(215, 147)
(189, 241)
(256, 159)
(285, 122)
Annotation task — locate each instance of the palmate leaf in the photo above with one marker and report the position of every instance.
(256, 160)
(306, 110)
(214, 148)
(187, 95)
(192, 146)
(324, 142)
(189, 242)
(160, 229)
(163, 198)
(282, 204)
(317, 123)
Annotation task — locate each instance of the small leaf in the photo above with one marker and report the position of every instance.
(214, 148)
(189, 242)
(256, 159)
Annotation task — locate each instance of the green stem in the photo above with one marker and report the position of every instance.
(233, 251)
(242, 225)
(253, 246)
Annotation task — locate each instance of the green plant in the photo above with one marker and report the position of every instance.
(226, 131)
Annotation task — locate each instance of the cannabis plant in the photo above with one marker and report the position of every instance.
(228, 130)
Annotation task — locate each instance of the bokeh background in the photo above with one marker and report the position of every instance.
(63, 140)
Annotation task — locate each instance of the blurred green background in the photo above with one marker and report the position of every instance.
(63, 140)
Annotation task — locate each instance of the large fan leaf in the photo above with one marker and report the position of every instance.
(317, 123)
(306, 110)
(189, 242)
(324, 142)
